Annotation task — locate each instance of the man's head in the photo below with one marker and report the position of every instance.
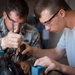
(51, 13)
(15, 13)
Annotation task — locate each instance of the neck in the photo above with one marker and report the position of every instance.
(70, 19)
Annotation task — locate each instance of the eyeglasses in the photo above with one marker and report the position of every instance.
(51, 17)
(10, 19)
(13, 22)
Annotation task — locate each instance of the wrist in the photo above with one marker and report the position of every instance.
(62, 68)
(33, 50)
(3, 45)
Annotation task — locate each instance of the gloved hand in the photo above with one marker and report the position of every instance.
(11, 40)
(25, 65)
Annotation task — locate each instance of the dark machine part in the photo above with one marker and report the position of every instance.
(22, 57)
(7, 67)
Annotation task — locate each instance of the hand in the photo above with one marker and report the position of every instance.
(25, 66)
(28, 49)
(11, 40)
(49, 63)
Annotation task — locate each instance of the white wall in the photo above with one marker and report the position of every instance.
(71, 3)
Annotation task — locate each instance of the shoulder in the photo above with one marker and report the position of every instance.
(30, 28)
(1, 23)
(68, 31)
(1, 20)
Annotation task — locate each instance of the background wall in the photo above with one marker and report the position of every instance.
(53, 36)
(2, 5)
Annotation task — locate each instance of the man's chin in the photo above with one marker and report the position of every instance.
(54, 31)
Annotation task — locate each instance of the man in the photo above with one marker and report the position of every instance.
(14, 30)
(56, 16)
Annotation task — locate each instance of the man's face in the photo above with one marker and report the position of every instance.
(13, 22)
(52, 22)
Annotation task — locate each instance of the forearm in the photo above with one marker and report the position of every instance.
(67, 69)
(38, 52)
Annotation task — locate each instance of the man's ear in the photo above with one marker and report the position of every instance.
(4, 14)
(62, 13)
